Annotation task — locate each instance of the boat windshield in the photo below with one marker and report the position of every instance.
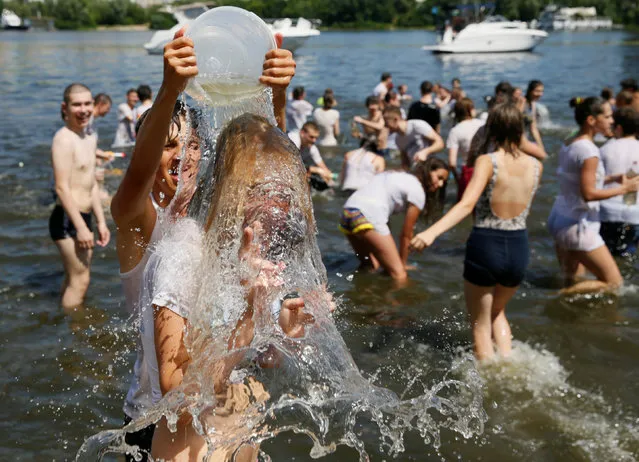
(193, 12)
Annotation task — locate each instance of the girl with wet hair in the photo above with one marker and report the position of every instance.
(531, 107)
(574, 221)
(366, 214)
(500, 191)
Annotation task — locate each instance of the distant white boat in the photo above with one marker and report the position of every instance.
(295, 33)
(493, 35)
(580, 18)
(11, 21)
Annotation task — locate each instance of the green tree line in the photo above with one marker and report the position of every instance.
(77, 14)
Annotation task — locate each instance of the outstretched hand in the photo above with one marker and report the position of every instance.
(421, 241)
(179, 62)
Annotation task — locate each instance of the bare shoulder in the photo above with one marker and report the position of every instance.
(63, 135)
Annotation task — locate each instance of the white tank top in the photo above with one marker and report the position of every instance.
(359, 170)
(138, 398)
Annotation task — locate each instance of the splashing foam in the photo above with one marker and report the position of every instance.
(276, 382)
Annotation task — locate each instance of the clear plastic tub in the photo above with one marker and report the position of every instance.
(230, 44)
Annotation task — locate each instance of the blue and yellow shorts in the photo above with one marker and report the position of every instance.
(353, 221)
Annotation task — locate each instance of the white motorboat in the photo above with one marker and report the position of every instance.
(11, 21)
(295, 33)
(493, 35)
(580, 18)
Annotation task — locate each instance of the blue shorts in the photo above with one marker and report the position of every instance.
(496, 257)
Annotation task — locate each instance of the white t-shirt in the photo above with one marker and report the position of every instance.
(125, 134)
(570, 203)
(141, 109)
(619, 156)
(386, 194)
(297, 113)
(325, 120)
(310, 155)
(414, 139)
(380, 90)
(460, 137)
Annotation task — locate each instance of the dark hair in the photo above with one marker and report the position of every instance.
(329, 91)
(532, 86)
(372, 100)
(607, 93)
(504, 87)
(369, 143)
(628, 119)
(504, 128)
(131, 90)
(311, 125)
(180, 110)
(298, 92)
(390, 95)
(456, 79)
(434, 201)
(144, 92)
(624, 98)
(426, 87)
(394, 110)
(629, 84)
(386, 76)
(463, 109)
(329, 101)
(586, 107)
(73, 88)
(102, 98)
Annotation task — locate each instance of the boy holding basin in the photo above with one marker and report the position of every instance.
(150, 185)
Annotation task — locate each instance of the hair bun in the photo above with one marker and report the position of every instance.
(576, 101)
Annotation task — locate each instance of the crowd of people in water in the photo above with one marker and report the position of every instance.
(495, 160)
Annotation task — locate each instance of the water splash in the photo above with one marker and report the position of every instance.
(258, 368)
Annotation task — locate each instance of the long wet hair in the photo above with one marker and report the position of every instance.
(532, 86)
(586, 107)
(504, 129)
(258, 176)
(434, 201)
(68, 91)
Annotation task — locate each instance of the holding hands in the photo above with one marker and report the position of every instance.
(422, 240)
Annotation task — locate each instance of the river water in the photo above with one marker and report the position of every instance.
(569, 392)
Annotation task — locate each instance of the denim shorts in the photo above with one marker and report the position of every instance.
(496, 257)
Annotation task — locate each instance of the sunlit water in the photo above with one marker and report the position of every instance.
(566, 394)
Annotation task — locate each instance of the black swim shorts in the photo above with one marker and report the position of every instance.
(61, 227)
(142, 439)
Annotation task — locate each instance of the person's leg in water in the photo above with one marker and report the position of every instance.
(363, 252)
(479, 303)
(77, 275)
(383, 249)
(501, 333)
(572, 270)
(600, 263)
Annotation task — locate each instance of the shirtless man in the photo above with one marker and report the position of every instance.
(150, 185)
(73, 157)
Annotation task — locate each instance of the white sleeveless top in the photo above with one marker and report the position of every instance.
(359, 170)
(138, 398)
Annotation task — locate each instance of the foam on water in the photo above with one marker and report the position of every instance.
(304, 379)
(529, 394)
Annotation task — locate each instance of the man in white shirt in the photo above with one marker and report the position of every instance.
(415, 139)
(298, 111)
(305, 141)
(125, 135)
(382, 87)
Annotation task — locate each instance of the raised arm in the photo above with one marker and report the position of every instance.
(62, 159)
(481, 175)
(130, 201)
(279, 69)
(370, 124)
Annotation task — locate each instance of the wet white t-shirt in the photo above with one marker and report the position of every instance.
(310, 155)
(297, 113)
(326, 120)
(380, 90)
(125, 134)
(386, 194)
(141, 109)
(461, 136)
(414, 139)
(570, 202)
(619, 156)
